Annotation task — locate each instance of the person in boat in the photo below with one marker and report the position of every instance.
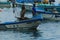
(24, 10)
(34, 9)
(45, 1)
(51, 1)
(13, 5)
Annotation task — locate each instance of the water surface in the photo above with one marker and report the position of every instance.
(45, 31)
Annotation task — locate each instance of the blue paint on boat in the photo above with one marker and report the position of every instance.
(24, 21)
(27, 1)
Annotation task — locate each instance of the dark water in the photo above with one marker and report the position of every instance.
(45, 31)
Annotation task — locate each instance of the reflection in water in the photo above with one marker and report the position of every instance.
(34, 33)
(19, 35)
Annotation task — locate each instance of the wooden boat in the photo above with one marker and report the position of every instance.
(50, 15)
(24, 24)
(10, 20)
(51, 12)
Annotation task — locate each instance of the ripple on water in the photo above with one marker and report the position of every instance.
(51, 30)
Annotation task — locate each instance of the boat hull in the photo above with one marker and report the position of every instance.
(29, 25)
(51, 17)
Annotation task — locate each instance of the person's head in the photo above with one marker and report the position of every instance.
(23, 4)
(34, 3)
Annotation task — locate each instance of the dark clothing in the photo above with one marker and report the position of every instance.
(13, 1)
(51, 0)
(33, 10)
(23, 11)
(23, 7)
(13, 5)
